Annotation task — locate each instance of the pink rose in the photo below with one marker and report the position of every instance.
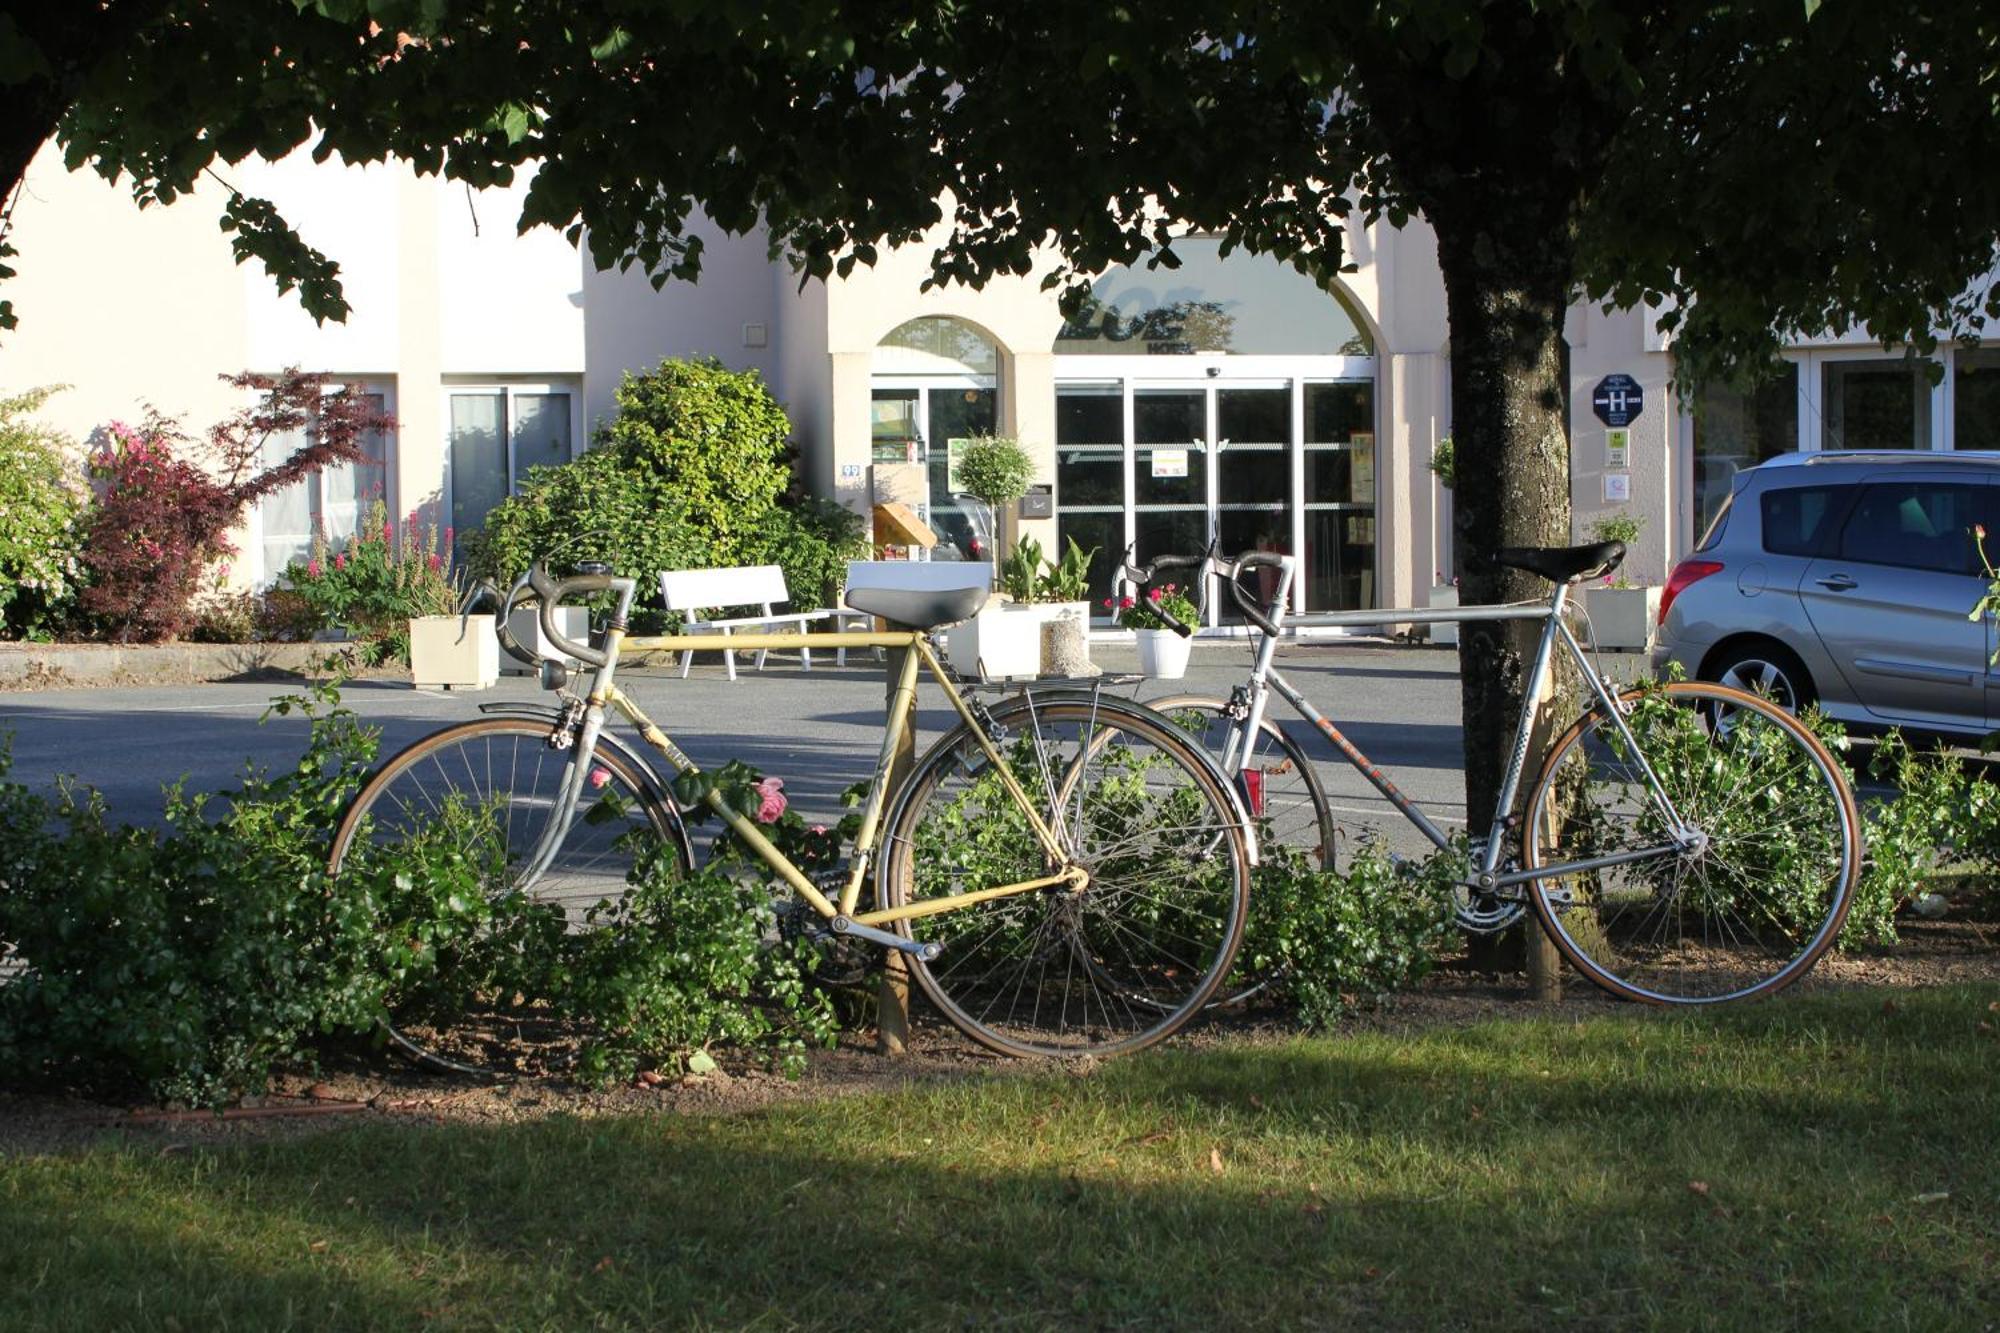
(772, 804)
(819, 828)
(598, 777)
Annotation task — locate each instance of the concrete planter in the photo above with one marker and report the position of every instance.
(454, 653)
(1622, 619)
(1444, 595)
(1000, 642)
(526, 627)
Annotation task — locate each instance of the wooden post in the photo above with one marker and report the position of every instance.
(1544, 963)
(892, 997)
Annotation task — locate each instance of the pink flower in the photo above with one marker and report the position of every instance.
(1109, 604)
(312, 569)
(1979, 531)
(772, 792)
(1153, 594)
(340, 560)
(819, 828)
(599, 776)
(447, 535)
(436, 561)
(1125, 603)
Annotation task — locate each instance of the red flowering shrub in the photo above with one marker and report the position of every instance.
(166, 502)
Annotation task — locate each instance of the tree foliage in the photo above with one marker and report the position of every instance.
(1753, 168)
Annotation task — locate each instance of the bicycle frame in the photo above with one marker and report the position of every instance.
(1265, 677)
(605, 695)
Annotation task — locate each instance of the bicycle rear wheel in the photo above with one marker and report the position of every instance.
(1747, 895)
(1110, 967)
(468, 806)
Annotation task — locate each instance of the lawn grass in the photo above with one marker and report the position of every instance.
(1826, 1161)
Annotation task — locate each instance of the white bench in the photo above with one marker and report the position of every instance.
(695, 592)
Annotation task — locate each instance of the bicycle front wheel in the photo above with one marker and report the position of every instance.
(1742, 896)
(1112, 964)
(471, 807)
(1282, 793)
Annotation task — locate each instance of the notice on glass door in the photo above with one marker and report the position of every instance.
(1170, 462)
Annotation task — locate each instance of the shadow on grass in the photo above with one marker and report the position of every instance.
(1796, 1165)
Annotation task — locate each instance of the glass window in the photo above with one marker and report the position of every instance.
(1090, 479)
(494, 437)
(1245, 304)
(936, 345)
(1338, 564)
(331, 502)
(1795, 518)
(1876, 404)
(1975, 399)
(1735, 430)
(1914, 525)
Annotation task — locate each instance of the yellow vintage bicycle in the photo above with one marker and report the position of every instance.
(1065, 871)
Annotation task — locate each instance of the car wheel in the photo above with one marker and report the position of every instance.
(1769, 669)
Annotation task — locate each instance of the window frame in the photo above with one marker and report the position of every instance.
(546, 385)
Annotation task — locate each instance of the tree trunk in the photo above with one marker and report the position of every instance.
(1508, 401)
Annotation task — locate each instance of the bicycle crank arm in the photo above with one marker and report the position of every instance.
(923, 953)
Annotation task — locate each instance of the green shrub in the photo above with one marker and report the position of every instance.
(42, 499)
(995, 469)
(690, 475)
(716, 439)
(188, 961)
(1336, 940)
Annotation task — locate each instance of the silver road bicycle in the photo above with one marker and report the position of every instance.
(1682, 843)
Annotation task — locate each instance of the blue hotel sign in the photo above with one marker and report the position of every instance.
(1617, 399)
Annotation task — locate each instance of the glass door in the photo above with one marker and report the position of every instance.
(1337, 563)
(918, 422)
(1170, 472)
(1253, 487)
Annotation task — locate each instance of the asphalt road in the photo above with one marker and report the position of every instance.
(817, 730)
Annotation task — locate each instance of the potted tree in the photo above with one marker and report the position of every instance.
(1622, 612)
(1005, 638)
(1444, 589)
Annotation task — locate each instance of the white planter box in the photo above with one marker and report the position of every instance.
(1442, 595)
(447, 652)
(1622, 619)
(526, 627)
(1001, 641)
(1163, 653)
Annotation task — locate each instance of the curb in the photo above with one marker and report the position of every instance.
(63, 666)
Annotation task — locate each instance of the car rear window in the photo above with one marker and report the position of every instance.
(1716, 525)
(1795, 518)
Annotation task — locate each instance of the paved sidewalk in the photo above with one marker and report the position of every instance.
(818, 730)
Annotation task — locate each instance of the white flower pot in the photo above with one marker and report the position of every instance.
(1443, 595)
(1163, 653)
(1622, 619)
(447, 652)
(1000, 642)
(526, 627)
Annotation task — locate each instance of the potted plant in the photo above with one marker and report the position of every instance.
(1005, 638)
(994, 470)
(1163, 652)
(1008, 638)
(1622, 612)
(1444, 590)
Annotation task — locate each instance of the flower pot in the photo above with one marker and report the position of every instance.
(1000, 642)
(1163, 653)
(526, 627)
(1622, 619)
(453, 653)
(1444, 633)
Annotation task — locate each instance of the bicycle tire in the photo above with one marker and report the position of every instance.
(452, 1017)
(1741, 913)
(1286, 801)
(1109, 969)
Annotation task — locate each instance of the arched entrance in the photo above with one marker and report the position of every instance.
(1229, 400)
(934, 383)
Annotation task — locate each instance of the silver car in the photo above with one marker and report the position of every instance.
(1846, 580)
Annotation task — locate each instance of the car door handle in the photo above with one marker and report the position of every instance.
(1838, 583)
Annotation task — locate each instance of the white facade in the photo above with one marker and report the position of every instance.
(496, 351)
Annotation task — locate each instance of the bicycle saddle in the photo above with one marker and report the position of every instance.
(918, 610)
(1563, 564)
